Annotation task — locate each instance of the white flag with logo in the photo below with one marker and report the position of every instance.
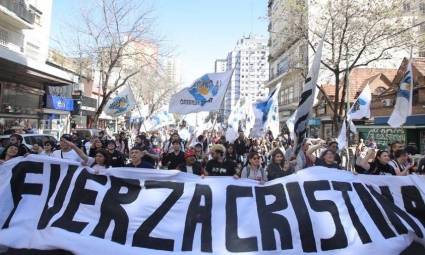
(122, 103)
(361, 108)
(205, 94)
(403, 105)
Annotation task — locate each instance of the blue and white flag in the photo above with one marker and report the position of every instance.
(267, 115)
(159, 120)
(122, 103)
(307, 100)
(204, 95)
(361, 108)
(403, 105)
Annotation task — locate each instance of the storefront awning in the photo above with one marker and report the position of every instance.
(412, 121)
(17, 68)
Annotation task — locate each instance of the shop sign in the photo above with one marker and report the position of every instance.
(60, 103)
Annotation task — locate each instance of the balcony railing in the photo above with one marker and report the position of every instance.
(20, 9)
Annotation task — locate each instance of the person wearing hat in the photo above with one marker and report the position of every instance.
(218, 166)
(191, 165)
(117, 159)
(66, 151)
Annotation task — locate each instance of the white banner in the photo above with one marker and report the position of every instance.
(205, 94)
(51, 204)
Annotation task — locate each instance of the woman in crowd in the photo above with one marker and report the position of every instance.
(327, 158)
(36, 148)
(253, 169)
(97, 145)
(377, 163)
(47, 149)
(99, 163)
(401, 163)
(231, 153)
(10, 152)
(278, 166)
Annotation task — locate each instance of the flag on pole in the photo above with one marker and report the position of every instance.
(403, 105)
(342, 137)
(290, 124)
(205, 94)
(267, 115)
(361, 108)
(122, 103)
(307, 99)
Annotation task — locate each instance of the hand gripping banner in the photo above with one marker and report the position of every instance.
(50, 204)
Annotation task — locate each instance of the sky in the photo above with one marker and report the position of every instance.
(198, 31)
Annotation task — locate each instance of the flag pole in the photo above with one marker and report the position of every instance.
(347, 77)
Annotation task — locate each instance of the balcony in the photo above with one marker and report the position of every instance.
(17, 14)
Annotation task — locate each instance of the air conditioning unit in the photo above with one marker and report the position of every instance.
(388, 102)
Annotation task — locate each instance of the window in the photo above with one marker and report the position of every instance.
(422, 54)
(406, 7)
(282, 66)
(422, 7)
(4, 37)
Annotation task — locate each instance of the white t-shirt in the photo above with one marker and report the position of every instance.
(189, 169)
(71, 155)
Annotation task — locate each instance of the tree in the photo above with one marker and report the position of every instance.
(118, 40)
(360, 33)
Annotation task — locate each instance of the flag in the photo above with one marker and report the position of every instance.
(159, 120)
(307, 99)
(403, 105)
(361, 108)
(205, 94)
(267, 115)
(342, 137)
(249, 118)
(241, 117)
(290, 124)
(122, 103)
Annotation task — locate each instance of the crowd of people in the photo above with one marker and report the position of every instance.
(211, 154)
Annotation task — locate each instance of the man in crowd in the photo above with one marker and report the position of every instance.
(65, 151)
(218, 166)
(16, 139)
(136, 155)
(175, 158)
(117, 159)
(240, 146)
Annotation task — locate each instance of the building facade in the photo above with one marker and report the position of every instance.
(251, 71)
(220, 65)
(291, 56)
(25, 78)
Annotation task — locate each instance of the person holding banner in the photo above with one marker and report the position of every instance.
(99, 163)
(327, 158)
(65, 151)
(377, 163)
(191, 165)
(218, 166)
(401, 163)
(12, 151)
(253, 170)
(136, 155)
(278, 166)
